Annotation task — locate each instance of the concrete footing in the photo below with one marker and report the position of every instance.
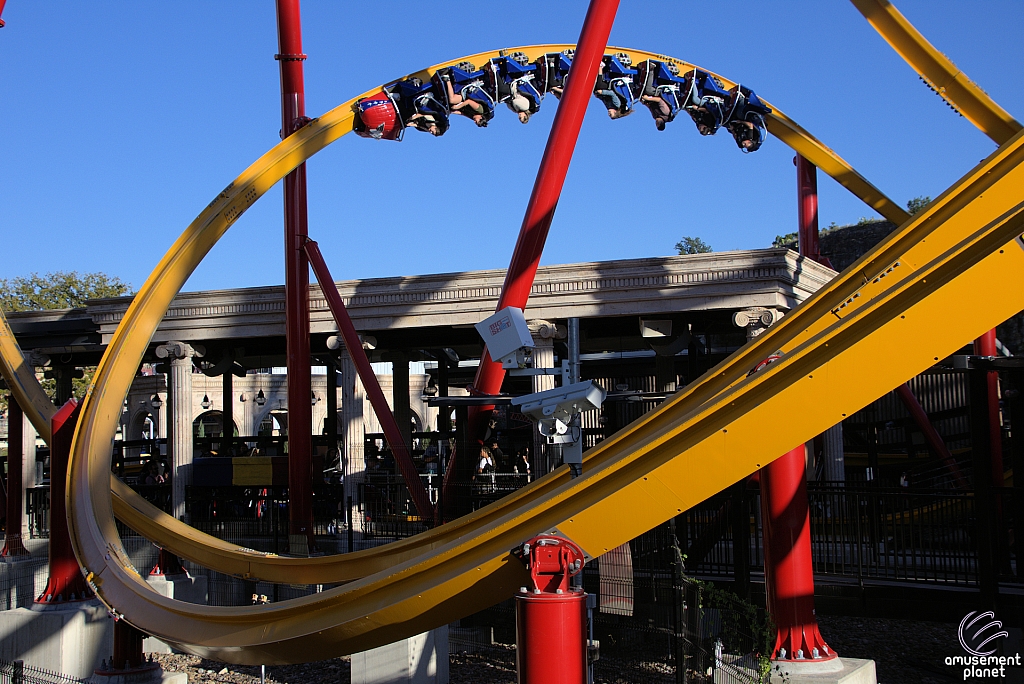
(422, 659)
(70, 638)
(833, 671)
(152, 675)
(180, 587)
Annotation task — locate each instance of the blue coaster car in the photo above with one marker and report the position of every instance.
(513, 82)
(660, 80)
(552, 69)
(705, 99)
(745, 118)
(614, 86)
(420, 105)
(467, 83)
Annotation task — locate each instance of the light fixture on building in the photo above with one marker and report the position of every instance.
(313, 398)
(241, 397)
(206, 402)
(156, 402)
(431, 389)
(261, 398)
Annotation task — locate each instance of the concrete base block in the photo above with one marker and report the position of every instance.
(422, 659)
(845, 671)
(70, 638)
(180, 588)
(151, 676)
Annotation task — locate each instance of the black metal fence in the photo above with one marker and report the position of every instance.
(17, 672)
(867, 533)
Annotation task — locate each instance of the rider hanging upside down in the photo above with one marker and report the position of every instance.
(704, 99)
(661, 90)
(614, 87)
(470, 100)
(746, 118)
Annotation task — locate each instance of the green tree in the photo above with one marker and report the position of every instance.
(692, 245)
(58, 290)
(918, 203)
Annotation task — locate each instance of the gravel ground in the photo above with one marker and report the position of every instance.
(904, 651)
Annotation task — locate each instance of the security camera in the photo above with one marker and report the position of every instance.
(561, 403)
(507, 337)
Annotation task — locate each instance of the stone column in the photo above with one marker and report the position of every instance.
(353, 415)
(544, 335)
(179, 433)
(28, 465)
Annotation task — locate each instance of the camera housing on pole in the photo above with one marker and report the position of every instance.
(557, 411)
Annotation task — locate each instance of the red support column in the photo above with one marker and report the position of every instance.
(789, 571)
(385, 417)
(548, 187)
(986, 346)
(66, 582)
(300, 415)
(13, 546)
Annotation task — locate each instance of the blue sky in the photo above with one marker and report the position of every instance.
(122, 120)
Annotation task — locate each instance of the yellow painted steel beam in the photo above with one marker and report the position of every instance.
(189, 250)
(21, 380)
(938, 71)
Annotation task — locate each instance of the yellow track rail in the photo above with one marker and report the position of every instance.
(698, 442)
(231, 559)
(938, 71)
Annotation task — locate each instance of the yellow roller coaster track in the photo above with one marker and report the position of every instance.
(211, 552)
(669, 460)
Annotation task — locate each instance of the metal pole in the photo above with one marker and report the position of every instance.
(13, 546)
(789, 571)
(300, 416)
(393, 432)
(986, 346)
(548, 187)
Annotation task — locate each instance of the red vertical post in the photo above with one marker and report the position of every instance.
(986, 346)
(789, 571)
(296, 286)
(66, 582)
(550, 178)
(13, 546)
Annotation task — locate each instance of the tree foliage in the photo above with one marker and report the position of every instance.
(692, 245)
(58, 290)
(918, 203)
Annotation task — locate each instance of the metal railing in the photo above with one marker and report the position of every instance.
(17, 672)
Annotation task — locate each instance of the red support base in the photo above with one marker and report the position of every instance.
(167, 564)
(789, 572)
(127, 658)
(66, 582)
(551, 616)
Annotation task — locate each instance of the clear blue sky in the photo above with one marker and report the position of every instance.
(122, 120)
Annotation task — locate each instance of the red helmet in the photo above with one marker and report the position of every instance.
(377, 118)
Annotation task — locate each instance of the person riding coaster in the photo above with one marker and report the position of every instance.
(417, 105)
(513, 83)
(614, 86)
(745, 120)
(661, 90)
(466, 92)
(552, 70)
(704, 99)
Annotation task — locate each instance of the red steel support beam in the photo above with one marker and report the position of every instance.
(13, 545)
(986, 346)
(66, 582)
(296, 285)
(931, 436)
(548, 187)
(789, 571)
(373, 391)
